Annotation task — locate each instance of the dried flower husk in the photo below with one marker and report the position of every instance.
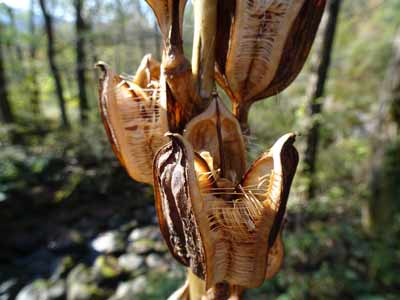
(176, 191)
(134, 116)
(224, 233)
(217, 132)
(183, 101)
(169, 14)
(268, 44)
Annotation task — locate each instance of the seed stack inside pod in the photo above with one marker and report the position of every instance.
(219, 218)
(134, 116)
(235, 225)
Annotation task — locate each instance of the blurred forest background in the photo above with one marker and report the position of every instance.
(74, 226)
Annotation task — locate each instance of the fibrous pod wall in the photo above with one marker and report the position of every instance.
(220, 216)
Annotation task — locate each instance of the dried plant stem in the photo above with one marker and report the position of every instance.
(221, 291)
(203, 59)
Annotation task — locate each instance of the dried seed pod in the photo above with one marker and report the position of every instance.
(148, 71)
(269, 42)
(183, 293)
(134, 117)
(275, 258)
(176, 192)
(217, 132)
(232, 239)
(183, 102)
(169, 14)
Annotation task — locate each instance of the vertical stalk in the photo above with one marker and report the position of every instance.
(203, 59)
(317, 90)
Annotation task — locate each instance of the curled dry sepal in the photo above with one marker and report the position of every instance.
(220, 218)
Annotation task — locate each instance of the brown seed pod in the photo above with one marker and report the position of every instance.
(176, 192)
(217, 132)
(269, 42)
(183, 102)
(275, 258)
(169, 14)
(232, 239)
(134, 117)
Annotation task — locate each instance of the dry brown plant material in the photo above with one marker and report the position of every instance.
(268, 44)
(229, 233)
(220, 219)
(134, 117)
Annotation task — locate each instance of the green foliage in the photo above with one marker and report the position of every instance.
(64, 166)
(328, 253)
(161, 285)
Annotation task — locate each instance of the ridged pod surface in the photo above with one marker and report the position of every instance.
(216, 133)
(134, 116)
(268, 44)
(183, 101)
(224, 233)
(167, 13)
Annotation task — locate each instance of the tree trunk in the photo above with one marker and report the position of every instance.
(122, 37)
(48, 22)
(392, 80)
(5, 106)
(15, 33)
(383, 201)
(317, 89)
(81, 60)
(34, 86)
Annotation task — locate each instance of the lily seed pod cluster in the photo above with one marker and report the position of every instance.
(168, 127)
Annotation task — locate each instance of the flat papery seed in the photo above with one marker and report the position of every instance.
(135, 121)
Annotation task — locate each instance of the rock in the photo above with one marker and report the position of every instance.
(64, 265)
(130, 290)
(8, 288)
(81, 285)
(34, 291)
(80, 273)
(149, 232)
(106, 268)
(131, 262)
(156, 262)
(142, 247)
(109, 242)
(78, 291)
(57, 290)
(43, 290)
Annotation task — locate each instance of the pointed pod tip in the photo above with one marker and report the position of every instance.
(103, 67)
(287, 138)
(177, 138)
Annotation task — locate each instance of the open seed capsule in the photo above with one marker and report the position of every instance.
(134, 117)
(268, 44)
(217, 132)
(224, 233)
